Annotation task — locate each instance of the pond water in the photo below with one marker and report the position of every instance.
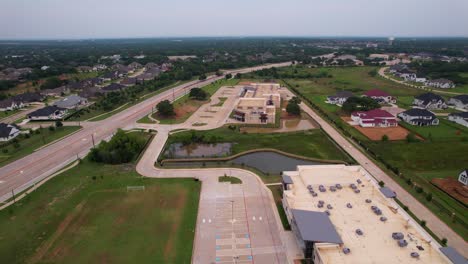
(265, 161)
(179, 150)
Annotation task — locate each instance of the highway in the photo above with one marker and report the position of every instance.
(23, 173)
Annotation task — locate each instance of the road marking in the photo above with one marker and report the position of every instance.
(203, 220)
(1, 182)
(253, 218)
(209, 220)
(260, 218)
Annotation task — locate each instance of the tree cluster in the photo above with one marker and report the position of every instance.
(293, 106)
(122, 148)
(165, 108)
(359, 104)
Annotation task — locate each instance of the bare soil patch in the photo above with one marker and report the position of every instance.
(376, 133)
(453, 188)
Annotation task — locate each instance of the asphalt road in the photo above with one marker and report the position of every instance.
(25, 172)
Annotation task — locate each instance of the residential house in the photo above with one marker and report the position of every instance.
(463, 177)
(339, 98)
(374, 118)
(459, 101)
(48, 113)
(84, 69)
(419, 117)
(99, 67)
(129, 81)
(429, 101)
(8, 132)
(380, 96)
(440, 83)
(134, 66)
(10, 104)
(398, 68)
(406, 74)
(112, 75)
(459, 118)
(28, 98)
(151, 65)
(59, 91)
(71, 102)
(113, 87)
(90, 92)
(145, 77)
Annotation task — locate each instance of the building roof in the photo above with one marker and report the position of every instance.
(6, 102)
(69, 101)
(28, 97)
(287, 179)
(5, 130)
(376, 243)
(462, 98)
(322, 229)
(372, 114)
(129, 81)
(427, 97)
(376, 92)
(389, 193)
(46, 111)
(113, 87)
(463, 115)
(252, 102)
(453, 255)
(442, 81)
(418, 112)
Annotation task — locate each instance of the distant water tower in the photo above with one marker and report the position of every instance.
(390, 41)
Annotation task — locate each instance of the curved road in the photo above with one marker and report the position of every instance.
(23, 173)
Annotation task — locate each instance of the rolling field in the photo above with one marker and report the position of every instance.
(86, 215)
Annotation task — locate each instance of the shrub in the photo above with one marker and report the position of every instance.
(16, 145)
(165, 108)
(429, 197)
(381, 183)
(423, 223)
(419, 189)
(411, 137)
(58, 123)
(444, 241)
(384, 138)
(51, 128)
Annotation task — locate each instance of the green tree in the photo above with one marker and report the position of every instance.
(58, 123)
(228, 76)
(198, 94)
(51, 83)
(293, 108)
(165, 108)
(385, 138)
(359, 104)
(202, 77)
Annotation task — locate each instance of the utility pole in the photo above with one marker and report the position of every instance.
(92, 137)
(13, 195)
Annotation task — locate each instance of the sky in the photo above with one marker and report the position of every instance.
(80, 19)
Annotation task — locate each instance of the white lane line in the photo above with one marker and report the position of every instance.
(203, 220)
(260, 218)
(2, 182)
(253, 218)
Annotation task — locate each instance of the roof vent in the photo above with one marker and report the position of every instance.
(368, 201)
(338, 186)
(319, 205)
(322, 188)
(333, 188)
(359, 232)
(314, 194)
(414, 254)
(402, 243)
(309, 187)
(327, 212)
(420, 247)
(359, 181)
(357, 191)
(397, 235)
(346, 250)
(349, 205)
(383, 218)
(329, 206)
(353, 186)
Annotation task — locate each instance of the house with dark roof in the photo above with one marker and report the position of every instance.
(27, 98)
(374, 118)
(339, 98)
(459, 101)
(129, 81)
(430, 101)
(459, 118)
(134, 66)
(71, 102)
(48, 113)
(398, 68)
(419, 117)
(113, 75)
(10, 104)
(8, 132)
(380, 96)
(59, 91)
(463, 177)
(90, 92)
(113, 87)
(441, 83)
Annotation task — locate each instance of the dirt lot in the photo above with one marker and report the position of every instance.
(376, 133)
(453, 188)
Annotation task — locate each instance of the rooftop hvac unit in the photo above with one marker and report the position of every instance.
(368, 201)
(346, 250)
(383, 219)
(321, 202)
(359, 232)
(329, 206)
(357, 191)
(353, 186)
(359, 181)
(319, 205)
(332, 188)
(338, 186)
(314, 194)
(327, 212)
(402, 243)
(414, 254)
(397, 235)
(349, 205)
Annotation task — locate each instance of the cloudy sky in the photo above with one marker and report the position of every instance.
(32, 19)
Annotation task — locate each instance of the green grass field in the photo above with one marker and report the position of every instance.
(277, 191)
(28, 145)
(312, 143)
(86, 215)
(440, 157)
(230, 179)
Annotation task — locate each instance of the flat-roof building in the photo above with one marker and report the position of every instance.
(339, 214)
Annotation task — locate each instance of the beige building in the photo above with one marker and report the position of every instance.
(339, 214)
(257, 103)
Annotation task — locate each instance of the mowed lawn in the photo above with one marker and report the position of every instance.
(446, 130)
(311, 143)
(86, 215)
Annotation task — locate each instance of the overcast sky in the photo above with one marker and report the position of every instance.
(31, 19)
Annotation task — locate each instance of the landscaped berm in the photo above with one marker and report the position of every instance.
(97, 213)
